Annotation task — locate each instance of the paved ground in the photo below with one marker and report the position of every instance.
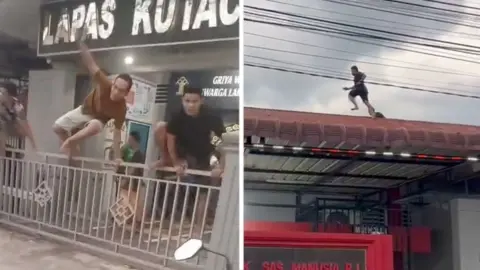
(22, 252)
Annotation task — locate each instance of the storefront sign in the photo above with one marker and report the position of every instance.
(220, 89)
(136, 23)
(304, 258)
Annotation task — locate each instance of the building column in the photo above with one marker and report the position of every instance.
(225, 232)
(51, 94)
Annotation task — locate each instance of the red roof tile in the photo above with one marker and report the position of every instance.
(301, 126)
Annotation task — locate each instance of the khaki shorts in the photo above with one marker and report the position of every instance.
(73, 119)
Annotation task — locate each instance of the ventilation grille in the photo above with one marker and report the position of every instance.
(161, 95)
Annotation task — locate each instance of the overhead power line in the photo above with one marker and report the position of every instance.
(322, 29)
(298, 16)
(347, 79)
(452, 4)
(404, 48)
(374, 78)
(342, 2)
(434, 8)
(357, 61)
(348, 52)
(392, 22)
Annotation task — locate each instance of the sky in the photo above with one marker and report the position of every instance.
(281, 90)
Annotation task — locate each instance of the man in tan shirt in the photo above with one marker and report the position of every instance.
(106, 101)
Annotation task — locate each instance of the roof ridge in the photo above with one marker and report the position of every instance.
(364, 118)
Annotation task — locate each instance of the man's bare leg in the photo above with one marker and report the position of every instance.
(371, 110)
(91, 129)
(63, 135)
(354, 102)
(161, 141)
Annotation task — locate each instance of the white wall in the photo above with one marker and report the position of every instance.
(437, 217)
(51, 94)
(465, 234)
(262, 213)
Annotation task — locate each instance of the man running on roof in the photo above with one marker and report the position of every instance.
(12, 116)
(359, 89)
(106, 101)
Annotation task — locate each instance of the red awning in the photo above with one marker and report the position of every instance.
(316, 128)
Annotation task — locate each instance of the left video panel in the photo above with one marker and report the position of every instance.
(139, 105)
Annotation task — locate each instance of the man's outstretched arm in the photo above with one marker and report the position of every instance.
(87, 57)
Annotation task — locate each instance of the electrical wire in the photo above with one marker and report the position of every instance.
(337, 72)
(297, 16)
(434, 8)
(396, 23)
(288, 70)
(363, 62)
(405, 48)
(345, 51)
(452, 4)
(350, 33)
(404, 14)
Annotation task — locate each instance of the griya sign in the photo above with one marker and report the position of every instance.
(263, 258)
(134, 23)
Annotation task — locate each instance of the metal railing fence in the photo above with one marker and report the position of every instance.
(140, 218)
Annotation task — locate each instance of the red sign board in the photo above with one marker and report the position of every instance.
(418, 237)
(305, 250)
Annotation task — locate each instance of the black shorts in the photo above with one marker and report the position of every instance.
(360, 91)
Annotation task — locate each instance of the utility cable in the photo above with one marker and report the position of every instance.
(350, 33)
(416, 26)
(360, 27)
(452, 4)
(430, 7)
(363, 62)
(336, 72)
(342, 51)
(404, 14)
(345, 79)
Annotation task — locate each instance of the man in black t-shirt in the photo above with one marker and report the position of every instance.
(359, 89)
(186, 142)
(187, 137)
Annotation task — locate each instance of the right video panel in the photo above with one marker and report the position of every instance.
(346, 133)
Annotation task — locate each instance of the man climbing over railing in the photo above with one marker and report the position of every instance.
(12, 116)
(105, 102)
(186, 141)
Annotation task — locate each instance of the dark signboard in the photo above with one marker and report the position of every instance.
(135, 23)
(266, 258)
(220, 89)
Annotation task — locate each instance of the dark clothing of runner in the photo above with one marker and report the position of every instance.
(359, 86)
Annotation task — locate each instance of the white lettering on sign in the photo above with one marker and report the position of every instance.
(228, 18)
(220, 92)
(149, 17)
(207, 12)
(98, 25)
(223, 80)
